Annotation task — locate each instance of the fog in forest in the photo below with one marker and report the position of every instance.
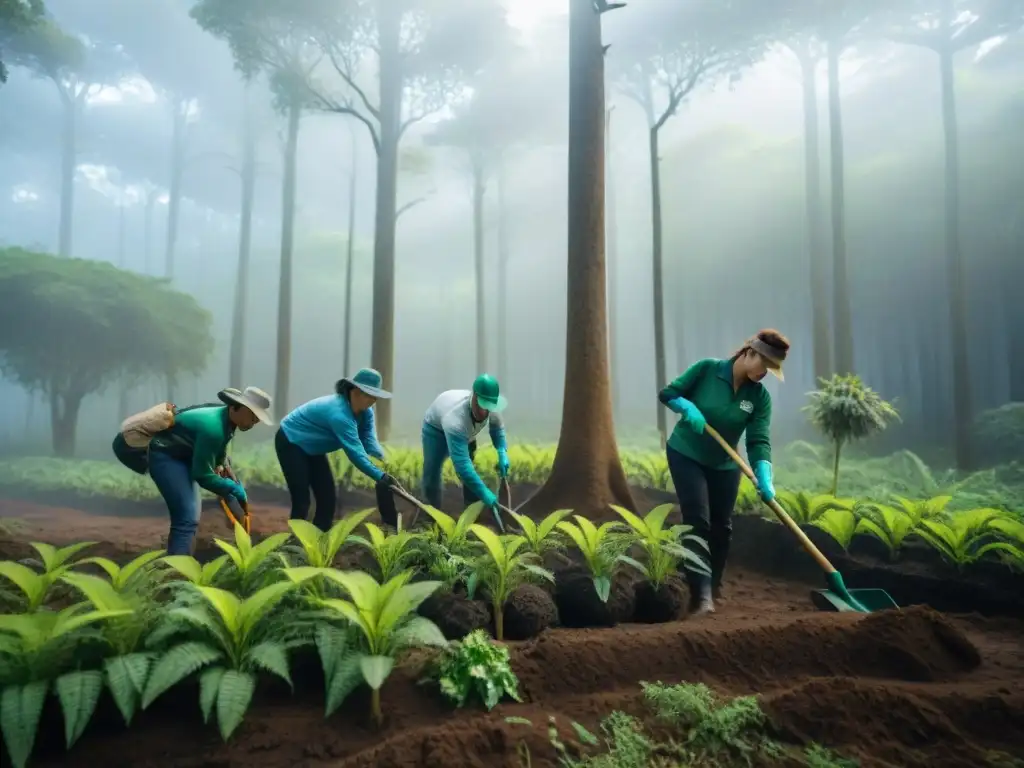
(135, 148)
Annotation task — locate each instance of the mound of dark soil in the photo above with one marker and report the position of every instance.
(656, 606)
(529, 611)
(455, 614)
(579, 605)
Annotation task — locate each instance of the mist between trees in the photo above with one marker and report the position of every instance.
(118, 148)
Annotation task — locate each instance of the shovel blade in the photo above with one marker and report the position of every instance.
(866, 600)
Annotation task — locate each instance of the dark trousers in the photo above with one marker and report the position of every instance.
(706, 499)
(304, 473)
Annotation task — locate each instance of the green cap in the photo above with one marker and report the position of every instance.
(487, 393)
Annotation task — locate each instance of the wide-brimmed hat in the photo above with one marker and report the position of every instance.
(369, 381)
(253, 398)
(773, 356)
(488, 393)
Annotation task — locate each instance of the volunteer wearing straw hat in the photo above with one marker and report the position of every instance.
(186, 457)
(450, 427)
(342, 421)
(729, 396)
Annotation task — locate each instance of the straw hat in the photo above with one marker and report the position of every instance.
(253, 398)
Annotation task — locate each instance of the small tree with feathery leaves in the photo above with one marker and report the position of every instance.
(844, 410)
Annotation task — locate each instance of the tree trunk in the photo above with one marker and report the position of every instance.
(962, 405)
(284, 294)
(68, 163)
(244, 254)
(843, 327)
(815, 223)
(612, 253)
(147, 234)
(350, 256)
(503, 254)
(124, 388)
(174, 190)
(586, 475)
(656, 265)
(479, 190)
(382, 355)
(64, 409)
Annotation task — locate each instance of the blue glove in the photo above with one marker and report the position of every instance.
(490, 500)
(763, 475)
(237, 492)
(691, 413)
(503, 464)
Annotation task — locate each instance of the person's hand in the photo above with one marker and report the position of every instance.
(503, 465)
(690, 414)
(763, 476)
(238, 493)
(387, 481)
(490, 500)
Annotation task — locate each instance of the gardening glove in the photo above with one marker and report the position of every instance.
(237, 492)
(490, 500)
(763, 475)
(387, 481)
(691, 413)
(503, 464)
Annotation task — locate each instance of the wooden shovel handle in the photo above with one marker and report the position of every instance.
(780, 513)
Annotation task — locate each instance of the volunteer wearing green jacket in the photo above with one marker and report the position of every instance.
(450, 427)
(342, 421)
(190, 453)
(728, 395)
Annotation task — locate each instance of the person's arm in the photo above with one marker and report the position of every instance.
(458, 450)
(496, 429)
(348, 435)
(682, 387)
(207, 455)
(368, 434)
(759, 428)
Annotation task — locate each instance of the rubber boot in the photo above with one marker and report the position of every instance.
(701, 598)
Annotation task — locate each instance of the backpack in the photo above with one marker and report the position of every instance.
(131, 444)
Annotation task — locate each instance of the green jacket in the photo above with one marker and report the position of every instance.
(708, 385)
(200, 437)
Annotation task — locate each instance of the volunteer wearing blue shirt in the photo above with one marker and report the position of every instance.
(342, 421)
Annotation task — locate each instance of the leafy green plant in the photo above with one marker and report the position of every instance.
(664, 547)
(320, 548)
(383, 626)
(968, 536)
(843, 409)
(196, 573)
(840, 524)
(239, 639)
(136, 576)
(504, 568)
(53, 563)
(543, 536)
(601, 547)
(453, 533)
(475, 667)
(251, 565)
(889, 524)
(805, 507)
(391, 552)
(38, 650)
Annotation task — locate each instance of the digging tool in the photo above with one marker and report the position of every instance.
(837, 597)
(404, 494)
(234, 510)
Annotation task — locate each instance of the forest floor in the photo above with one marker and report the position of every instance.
(908, 688)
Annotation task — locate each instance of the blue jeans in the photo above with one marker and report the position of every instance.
(173, 479)
(435, 452)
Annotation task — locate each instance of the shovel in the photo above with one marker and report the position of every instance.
(837, 597)
(236, 512)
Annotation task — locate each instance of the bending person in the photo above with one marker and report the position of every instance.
(450, 428)
(728, 395)
(342, 421)
(191, 453)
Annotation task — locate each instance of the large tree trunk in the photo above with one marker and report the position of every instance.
(124, 387)
(962, 405)
(64, 409)
(479, 190)
(815, 219)
(503, 254)
(382, 354)
(68, 163)
(350, 247)
(147, 234)
(843, 327)
(587, 474)
(284, 294)
(612, 253)
(244, 254)
(178, 144)
(656, 266)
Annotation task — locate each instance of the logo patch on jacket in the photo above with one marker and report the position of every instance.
(746, 406)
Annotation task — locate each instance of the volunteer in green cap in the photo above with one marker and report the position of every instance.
(728, 395)
(450, 428)
(342, 421)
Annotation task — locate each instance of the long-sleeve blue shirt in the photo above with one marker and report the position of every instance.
(452, 414)
(327, 424)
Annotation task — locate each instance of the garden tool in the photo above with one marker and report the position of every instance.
(837, 597)
(234, 510)
(404, 494)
